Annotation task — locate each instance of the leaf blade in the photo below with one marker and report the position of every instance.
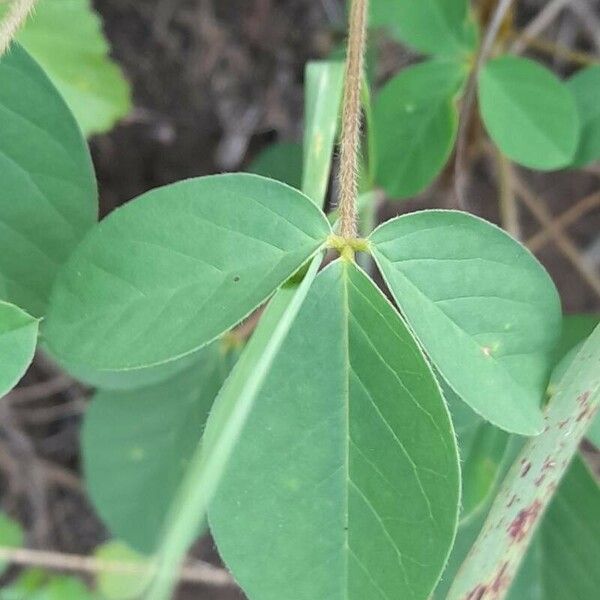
(48, 199)
(315, 502)
(518, 95)
(415, 120)
(584, 86)
(78, 64)
(166, 274)
(430, 26)
(18, 339)
(228, 419)
(136, 445)
(474, 296)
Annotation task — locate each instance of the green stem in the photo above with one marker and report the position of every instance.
(231, 410)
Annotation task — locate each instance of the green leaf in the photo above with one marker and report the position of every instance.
(65, 588)
(482, 448)
(585, 87)
(415, 120)
(323, 99)
(228, 419)
(35, 584)
(281, 161)
(48, 193)
(529, 113)
(78, 62)
(137, 445)
(533, 479)
(11, 536)
(567, 545)
(431, 26)
(575, 329)
(174, 269)
(345, 482)
(484, 309)
(18, 339)
(133, 378)
(120, 586)
(25, 586)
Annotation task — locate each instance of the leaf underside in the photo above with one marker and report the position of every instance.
(484, 309)
(344, 483)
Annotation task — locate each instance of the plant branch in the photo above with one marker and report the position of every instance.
(509, 213)
(15, 18)
(563, 241)
(485, 49)
(556, 49)
(580, 208)
(42, 390)
(351, 119)
(538, 24)
(199, 572)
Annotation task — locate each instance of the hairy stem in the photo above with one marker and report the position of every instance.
(15, 17)
(351, 119)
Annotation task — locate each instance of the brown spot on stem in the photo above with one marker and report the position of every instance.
(523, 522)
(477, 593)
(501, 581)
(583, 398)
(526, 468)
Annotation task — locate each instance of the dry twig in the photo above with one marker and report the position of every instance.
(563, 241)
(199, 572)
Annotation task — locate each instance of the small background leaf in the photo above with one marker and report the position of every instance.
(228, 419)
(119, 586)
(482, 306)
(172, 270)
(529, 113)
(18, 339)
(415, 119)
(65, 37)
(431, 26)
(585, 87)
(48, 194)
(11, 536)
(281, 161)
(137, 445)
